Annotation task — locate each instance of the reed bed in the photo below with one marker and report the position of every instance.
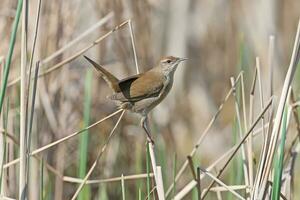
(229, 129)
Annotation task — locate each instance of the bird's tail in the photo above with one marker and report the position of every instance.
(110, 79)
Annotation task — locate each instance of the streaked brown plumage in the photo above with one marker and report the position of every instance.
(142, 92)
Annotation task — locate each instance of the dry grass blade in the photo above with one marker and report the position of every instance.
(76, 55)
(250, 139)
(98, 157)
(86, 33)
(240, 143)
(222, 184)
(205, 132)
(238, 116)
(62, 139)
(158, 180)
(133, 47)
(193, 183)
(160, 184)
(271, 63)
(107, 180)
(278, 117)
(232, 187)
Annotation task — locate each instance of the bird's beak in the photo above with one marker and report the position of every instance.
(182, 59)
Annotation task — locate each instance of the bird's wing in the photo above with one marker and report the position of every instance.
(139, 87)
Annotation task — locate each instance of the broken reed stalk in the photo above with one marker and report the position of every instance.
(157, 178)
(248, 144)
(238, 116)
(240, 144)
(101, 151)
(222, 184)
(203, 135)
(265, 137)
(250, 139)
(193, 183)
(271, 61)
(278, 117)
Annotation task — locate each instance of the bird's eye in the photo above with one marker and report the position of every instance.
(168, 61)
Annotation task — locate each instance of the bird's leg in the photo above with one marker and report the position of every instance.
(145, 125)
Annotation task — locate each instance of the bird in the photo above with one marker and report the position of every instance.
(142, 92)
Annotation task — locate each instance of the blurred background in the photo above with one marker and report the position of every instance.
(219, 37)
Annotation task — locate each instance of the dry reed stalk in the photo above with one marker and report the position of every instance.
(62, 139)
(101, 151)
(23, 118)
(29, 115)
(76, 55)
(222, 184)
(278, 118)
(160, 184)
(293, 152)
(193, 183)
(133, 46)
(241, 142)
(158, 180)
(232, 187)
(240, 130)
(248, 144)
(250, 139)
(38, 158)
(265, 137)
(201, 138)
(82, 36)
(271, 52)
(69, 179)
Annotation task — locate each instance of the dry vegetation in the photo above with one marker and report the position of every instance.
(229, 129)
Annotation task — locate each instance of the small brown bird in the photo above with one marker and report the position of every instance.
(142, 92)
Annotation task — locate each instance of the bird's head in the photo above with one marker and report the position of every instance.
(169, 64)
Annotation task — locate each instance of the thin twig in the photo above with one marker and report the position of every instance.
(74, 56)
(237, 111)
(216, 179)
(86, 33)
(69, 179)
(133, 47)
(240, 144)
(205, 132)
(278, 118)
(62, 139)
(98, 157)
